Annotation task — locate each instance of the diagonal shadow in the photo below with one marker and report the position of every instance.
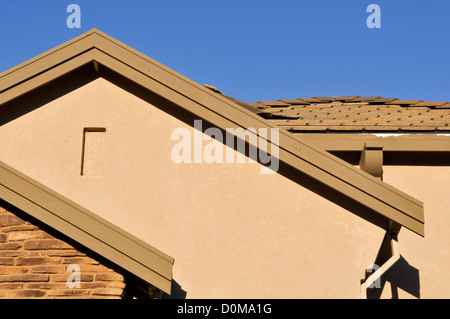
(400, 276)
(176, 292)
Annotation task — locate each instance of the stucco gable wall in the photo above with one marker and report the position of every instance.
(233, 231)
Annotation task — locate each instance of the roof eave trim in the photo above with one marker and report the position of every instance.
(86, 228)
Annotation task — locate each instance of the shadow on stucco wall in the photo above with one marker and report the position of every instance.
(400, 276)
(177, 292)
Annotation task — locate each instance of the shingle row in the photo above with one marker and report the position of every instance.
(355, 113)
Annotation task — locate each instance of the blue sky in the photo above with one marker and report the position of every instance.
(258, 50)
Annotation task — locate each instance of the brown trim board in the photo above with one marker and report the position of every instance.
(390, 142)
(222, 112)
(428, 149)
(86, 228)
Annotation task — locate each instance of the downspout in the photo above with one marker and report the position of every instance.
(371, 161)
(388, 264)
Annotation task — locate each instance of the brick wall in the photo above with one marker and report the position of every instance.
(34, 264)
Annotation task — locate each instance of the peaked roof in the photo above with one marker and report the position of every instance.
(102, 51)
(356, 114)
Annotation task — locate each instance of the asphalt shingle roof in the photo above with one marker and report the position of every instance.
(355, 114)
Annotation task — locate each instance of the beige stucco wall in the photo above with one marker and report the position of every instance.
(428, 258)
(234, 232)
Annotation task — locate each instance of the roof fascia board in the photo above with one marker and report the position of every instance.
(80, 236)
(414, 224)
(87, 228)
(398, 143)
(45, 77)
(46, 61)
(299, 158)
(226, 114)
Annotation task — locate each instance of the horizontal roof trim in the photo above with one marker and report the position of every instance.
(390, 142)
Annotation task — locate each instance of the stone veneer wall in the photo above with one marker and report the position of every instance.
(33, 264)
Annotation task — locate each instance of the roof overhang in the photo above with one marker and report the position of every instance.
(86, 228)
(398, 148)
(439, 142)
(215, 108)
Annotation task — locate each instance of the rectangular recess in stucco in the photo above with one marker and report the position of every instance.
(93, 151)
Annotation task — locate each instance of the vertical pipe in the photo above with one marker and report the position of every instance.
(380, 271)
